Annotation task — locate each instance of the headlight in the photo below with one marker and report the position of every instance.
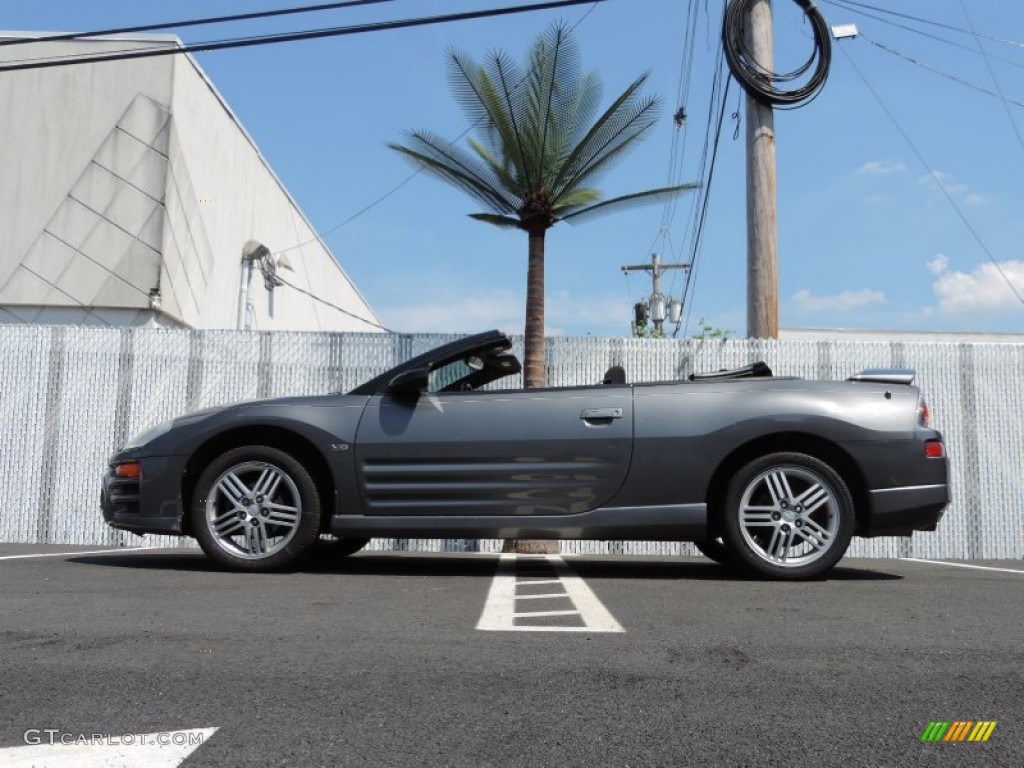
(149, 435)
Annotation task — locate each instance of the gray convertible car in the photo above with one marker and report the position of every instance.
(770, 474)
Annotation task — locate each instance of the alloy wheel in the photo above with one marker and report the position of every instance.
(253, 510)
(789, 516)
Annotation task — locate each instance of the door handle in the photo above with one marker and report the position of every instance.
(601, 414)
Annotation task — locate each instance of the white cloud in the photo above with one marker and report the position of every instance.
(956, 189)
(595, 313)
(450, 311)
(984, 289)
(880, 167)
(842, 302)
(878, 201)
(939, 264)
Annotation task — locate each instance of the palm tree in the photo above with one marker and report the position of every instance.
(540, 150)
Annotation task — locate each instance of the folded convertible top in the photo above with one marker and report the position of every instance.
(754, 370)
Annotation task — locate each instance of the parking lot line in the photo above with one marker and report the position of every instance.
(67, 554)
(500, 614)
(540, 597)
(963, 565)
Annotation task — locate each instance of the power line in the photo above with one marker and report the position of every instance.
(935, 177)
(411, 176)
(992, 74)
(677, 148)
(364, 209)
(332, 305)
(287, 37)
(847, 3)
(934, 70)
(691, 279)
(192, 22)
(717, 100)
(922, 33)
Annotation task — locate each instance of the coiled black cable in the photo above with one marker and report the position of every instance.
(759, 81)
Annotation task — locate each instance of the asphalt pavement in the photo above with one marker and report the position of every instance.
(376, 660)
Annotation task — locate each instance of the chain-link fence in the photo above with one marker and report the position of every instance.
(73, 395)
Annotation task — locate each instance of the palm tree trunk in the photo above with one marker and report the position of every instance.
(533, 363)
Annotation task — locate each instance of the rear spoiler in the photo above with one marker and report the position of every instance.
(886, 375)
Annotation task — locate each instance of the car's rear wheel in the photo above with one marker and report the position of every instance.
(256, 508)
(788, 515)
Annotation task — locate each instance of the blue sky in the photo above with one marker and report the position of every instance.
(866, 237)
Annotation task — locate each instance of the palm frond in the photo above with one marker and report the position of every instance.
(509, 94)
(514, 194)
(554, 75)
(538, 150)
(486, 103)
(455, 165)
(493, 218)
(609, 154)
(625, 202)
(577, 198)
(629, 114)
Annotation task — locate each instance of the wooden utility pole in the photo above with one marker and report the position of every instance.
(762, 227)
(657, 303)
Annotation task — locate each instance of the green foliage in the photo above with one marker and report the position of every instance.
(541, 145)
(707, 332)
(647, 331)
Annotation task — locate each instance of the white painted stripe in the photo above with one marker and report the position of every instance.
(962, 565)
(87, 552)
(525, 583)
(546, 613)
(541, 597)
(520, 628)
(595, 615)
(499, 608)
(499, 612)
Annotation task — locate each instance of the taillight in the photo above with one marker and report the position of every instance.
(934, 449)
(924, 416)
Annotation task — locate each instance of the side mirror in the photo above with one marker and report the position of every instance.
(409, 384)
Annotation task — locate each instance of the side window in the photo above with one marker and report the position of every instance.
(447, 375)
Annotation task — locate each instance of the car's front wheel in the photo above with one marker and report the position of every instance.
(715, 550)
(256, 508)
(341, 547)
(788, 515)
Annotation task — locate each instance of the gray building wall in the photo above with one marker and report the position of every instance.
(130, 193)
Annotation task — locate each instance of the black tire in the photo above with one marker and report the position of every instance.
(256, 508)
(715, 550)
(788, 516)
(342, 547)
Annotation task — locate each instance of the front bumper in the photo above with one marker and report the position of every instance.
(150, 503)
